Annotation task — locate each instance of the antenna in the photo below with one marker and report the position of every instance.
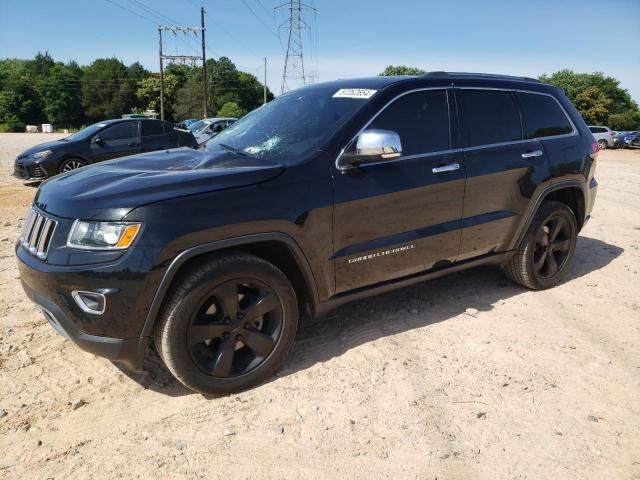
(294, 60)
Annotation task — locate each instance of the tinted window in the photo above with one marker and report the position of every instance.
(543, 117)
(489, 117)
(151, 128)
(421, 119)
(168, 127)
(597, 129)
(120, 131)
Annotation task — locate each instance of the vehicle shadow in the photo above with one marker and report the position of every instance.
(420, 305)
(351, 325)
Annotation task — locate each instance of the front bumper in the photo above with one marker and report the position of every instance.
(129, 351)
(128, 284)
(29, 173)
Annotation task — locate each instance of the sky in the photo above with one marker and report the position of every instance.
(346, 39)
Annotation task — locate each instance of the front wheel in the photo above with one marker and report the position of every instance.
(547, 248)
(71, 164)
(602, 144)
(227, 324)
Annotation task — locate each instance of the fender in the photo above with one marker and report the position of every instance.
(538, 201)
(189, 253)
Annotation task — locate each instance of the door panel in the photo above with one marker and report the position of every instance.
(395, 219)
(117, 141)
(500, 183)
(398, 217)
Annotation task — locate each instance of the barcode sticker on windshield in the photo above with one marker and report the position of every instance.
(354, 93)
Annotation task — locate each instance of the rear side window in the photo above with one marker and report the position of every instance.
(597, 129)
(151, 128)
(489, 116)
(542, 116)
(121, 131)
(421, 119)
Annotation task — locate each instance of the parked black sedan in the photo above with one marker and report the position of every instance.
(98, 142)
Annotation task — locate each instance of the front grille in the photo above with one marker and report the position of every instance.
(37, 232)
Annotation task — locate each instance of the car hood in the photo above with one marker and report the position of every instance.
(110, 190)
(56, 144)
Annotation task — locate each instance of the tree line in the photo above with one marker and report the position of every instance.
(599, 98)
(68, 95)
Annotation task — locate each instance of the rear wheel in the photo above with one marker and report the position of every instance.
(547, 248)
(228, 324)
(71, 164)
(602, 144)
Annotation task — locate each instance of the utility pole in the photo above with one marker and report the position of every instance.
(183, 59)
(264, 86)
(161, 76)
(204, 67)
(294, 59)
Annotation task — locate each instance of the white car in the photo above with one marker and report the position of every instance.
(603, 135)
(203, 130)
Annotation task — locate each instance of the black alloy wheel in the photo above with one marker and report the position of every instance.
(227, 323)
(553, 242)
(546, 249)
(235, 328)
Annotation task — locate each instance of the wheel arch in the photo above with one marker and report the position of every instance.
(277, 248)
(569, 192)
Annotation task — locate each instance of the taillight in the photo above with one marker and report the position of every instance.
(595, 149)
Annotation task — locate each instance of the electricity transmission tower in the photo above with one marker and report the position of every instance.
(294, 59)
(184, 59)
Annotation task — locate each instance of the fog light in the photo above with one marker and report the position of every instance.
(90, 302)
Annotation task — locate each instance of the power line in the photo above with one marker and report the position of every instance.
(260, 20)
(131, 11)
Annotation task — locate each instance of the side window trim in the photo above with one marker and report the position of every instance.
(574, 131)
(383, 108)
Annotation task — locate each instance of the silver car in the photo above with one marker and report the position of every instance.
(203, 130)
(603, 135)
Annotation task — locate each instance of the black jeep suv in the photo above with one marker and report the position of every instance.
(329, 193)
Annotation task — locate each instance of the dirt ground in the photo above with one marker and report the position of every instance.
(406, 385)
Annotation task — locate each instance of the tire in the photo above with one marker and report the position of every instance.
(550, 239)
(71, 164)
(602, 144)
(227, 324)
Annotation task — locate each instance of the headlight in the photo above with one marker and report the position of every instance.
(42, 154)
(102, 235)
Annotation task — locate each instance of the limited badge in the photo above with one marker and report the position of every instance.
(354, 93)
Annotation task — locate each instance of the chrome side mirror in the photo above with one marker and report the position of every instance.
(372, 146)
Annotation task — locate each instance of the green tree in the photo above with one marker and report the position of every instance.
(231, 109)
(593, 104)
(189, 100)
(596, 96)
(629, 120)
(61, 95)
(13, 107)
(101, 89)
(149, 93)
(401, 70)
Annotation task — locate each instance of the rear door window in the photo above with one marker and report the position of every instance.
(489, 117)
(121, 131)
(150, 128)
(421, 119)
(542, 116)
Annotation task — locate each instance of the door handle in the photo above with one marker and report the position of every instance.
(132, 144)
(534, 154)
(446, 168)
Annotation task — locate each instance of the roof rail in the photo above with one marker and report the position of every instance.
(440, 74)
